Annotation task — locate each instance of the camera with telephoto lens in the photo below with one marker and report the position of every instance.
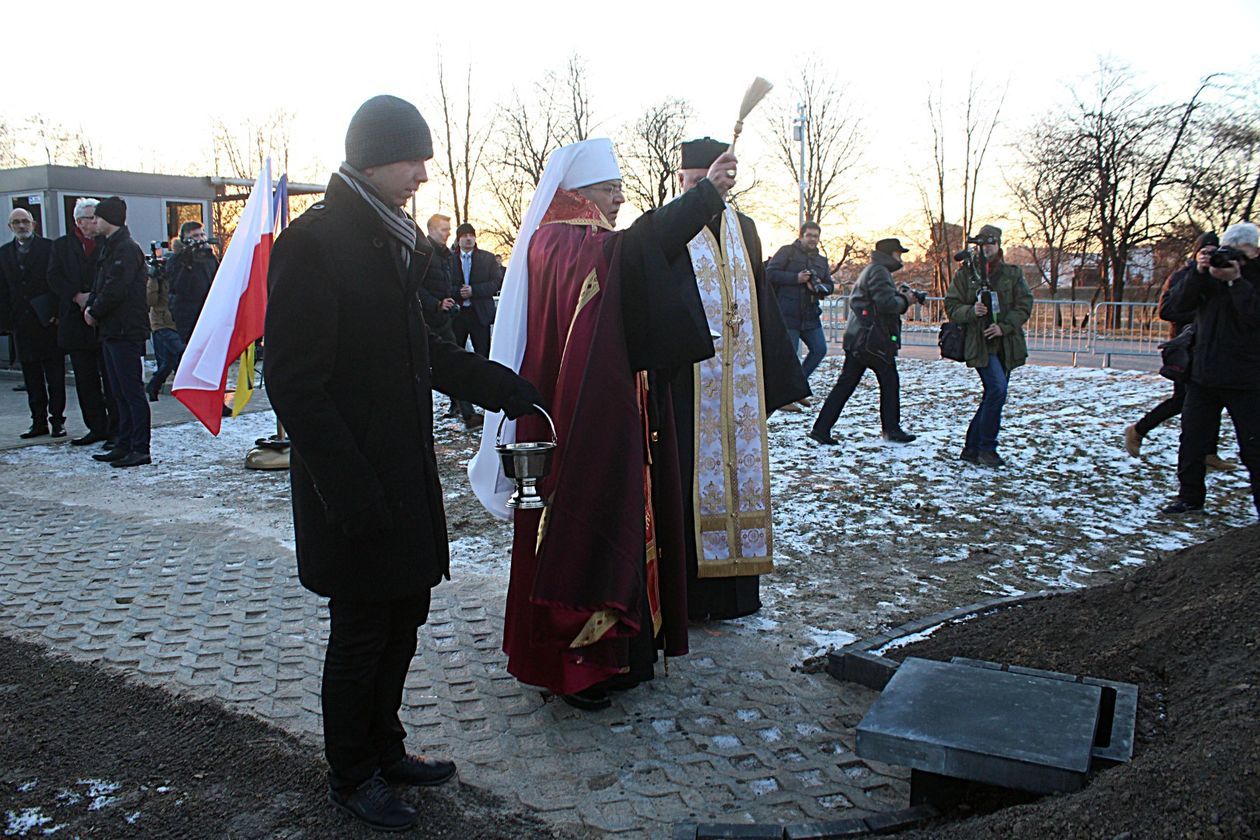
(155, 260)
(921, 297)
(1224, 255)
(983, 239)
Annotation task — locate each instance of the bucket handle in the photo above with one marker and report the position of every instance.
(498, 435)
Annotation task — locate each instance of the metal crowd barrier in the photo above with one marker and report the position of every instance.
(1058, 326)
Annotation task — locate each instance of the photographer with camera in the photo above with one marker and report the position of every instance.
(801, 278)
(189, 275)
(168, 347)
(1224, 304)
(992, 301)
(871, 340)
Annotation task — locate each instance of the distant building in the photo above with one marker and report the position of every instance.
(156, 204)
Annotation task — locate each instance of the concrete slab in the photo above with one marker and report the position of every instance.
(1014, 730)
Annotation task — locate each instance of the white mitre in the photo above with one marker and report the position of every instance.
(569, 168)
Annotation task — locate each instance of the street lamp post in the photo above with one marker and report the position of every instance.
(798, 134)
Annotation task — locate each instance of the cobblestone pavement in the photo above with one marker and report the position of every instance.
(732, 734)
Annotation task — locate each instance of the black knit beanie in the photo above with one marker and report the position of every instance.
(1208, 239)
(384, 130)
(113, 210)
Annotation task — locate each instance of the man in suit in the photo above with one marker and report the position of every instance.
(475, 280)
(29, 310)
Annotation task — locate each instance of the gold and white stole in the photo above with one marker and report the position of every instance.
(731, 488)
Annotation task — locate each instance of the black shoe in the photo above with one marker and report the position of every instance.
(375, 804)
(58, 430)
(588, 699)
(132, 459)
(418, 770)
(898, 436)
(971, 456)
(989, 458)
(1179, 506)
(111, 455)
(825, 440)
(620, 682)
(34, 432)
(88, 439)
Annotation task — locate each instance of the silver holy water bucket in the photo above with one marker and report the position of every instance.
(526, 464)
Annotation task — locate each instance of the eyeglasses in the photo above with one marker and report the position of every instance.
(611, 188)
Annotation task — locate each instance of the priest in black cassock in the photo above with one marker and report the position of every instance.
(721, 405)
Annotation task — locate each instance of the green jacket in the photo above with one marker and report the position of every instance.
(1015, 302)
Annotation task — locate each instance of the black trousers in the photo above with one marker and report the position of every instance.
(465, 326)
(45, 381)
(1200, 423)
(125, 369)
(856, 363)
(92, 390)
(370, 648)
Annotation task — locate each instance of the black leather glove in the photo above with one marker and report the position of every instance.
(522, 399)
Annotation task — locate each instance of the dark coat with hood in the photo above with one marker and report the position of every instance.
(24, 279)
(1226, 326)
(119, 300)
(797, 302)
(876, 296)
(72, 271)
(349, 367)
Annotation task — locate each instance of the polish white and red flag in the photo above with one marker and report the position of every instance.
(232, 318)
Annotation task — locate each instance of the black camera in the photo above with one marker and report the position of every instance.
(155, 259)
(921, 297)
(1224, 255)
(983, 239)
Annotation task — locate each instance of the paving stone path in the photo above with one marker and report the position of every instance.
(732, 734)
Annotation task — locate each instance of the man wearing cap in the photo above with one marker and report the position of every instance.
(597, 319)
(118, 307)
(722, 450)
(872, 338)
(71, 273)
(475, 278)
(992, 301)
(29, 310)
(350, 368)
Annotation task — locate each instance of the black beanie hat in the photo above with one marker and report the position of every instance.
(384, 130)
(1208, 239)
(113, 210)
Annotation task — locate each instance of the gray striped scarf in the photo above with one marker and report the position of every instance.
(397, 223)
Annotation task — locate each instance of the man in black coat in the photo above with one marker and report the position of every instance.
(349, 368)
(29, 310)
(1224, 304)
(875, 310)
(119, 308)
(801, 278)
(733, 589)
(71, 273)
(437, 297)
(189, 275)
(475, 279)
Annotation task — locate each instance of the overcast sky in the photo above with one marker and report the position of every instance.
(147, 79)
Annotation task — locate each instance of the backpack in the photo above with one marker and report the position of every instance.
(952, 340)
(1176, 355)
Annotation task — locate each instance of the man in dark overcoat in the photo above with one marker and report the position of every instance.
(349, 368)
(29, 311)
(71, 273)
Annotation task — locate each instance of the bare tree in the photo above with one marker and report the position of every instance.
(1221, 173)
(980, 120)
(9, 155)
(239, 151)
(464, 147)
(557, 111)
(833, 141)
(1051, 192)
(648, 151)
(1129, 149)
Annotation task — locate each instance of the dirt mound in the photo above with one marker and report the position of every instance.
(1186, 630)
(88, 753)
